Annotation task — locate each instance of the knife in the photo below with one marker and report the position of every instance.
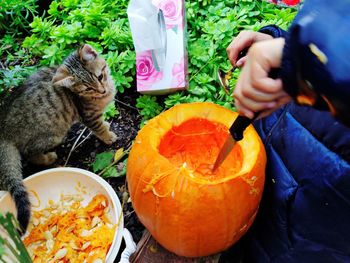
(236, 134)
(237, 129)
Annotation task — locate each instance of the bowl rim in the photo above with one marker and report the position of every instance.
(115, 246)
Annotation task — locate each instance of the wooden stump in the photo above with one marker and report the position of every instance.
(150, 251)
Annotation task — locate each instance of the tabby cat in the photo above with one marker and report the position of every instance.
(37, 116)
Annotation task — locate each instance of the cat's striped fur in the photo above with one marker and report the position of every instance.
(37, 116)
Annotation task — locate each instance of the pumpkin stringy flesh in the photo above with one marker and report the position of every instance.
(68, 232)
(196, 143)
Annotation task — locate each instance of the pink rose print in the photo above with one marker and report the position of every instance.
(286, 2)
(172, 11)
(146, 73)
(179, 74)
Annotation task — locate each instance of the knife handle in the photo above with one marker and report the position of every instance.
(240, 55)
(240, 124)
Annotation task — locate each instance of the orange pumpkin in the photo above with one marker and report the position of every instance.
(188, 209)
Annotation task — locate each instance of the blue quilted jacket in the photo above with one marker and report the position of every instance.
(304, 215)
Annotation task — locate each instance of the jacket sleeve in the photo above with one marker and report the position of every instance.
(273, 31)
(317, 50)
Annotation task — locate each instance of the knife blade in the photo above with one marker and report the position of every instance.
(235, 135)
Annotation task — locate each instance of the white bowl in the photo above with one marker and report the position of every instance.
(51, 183)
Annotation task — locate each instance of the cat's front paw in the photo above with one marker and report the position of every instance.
(107, 125)
(44, 159)
(112, 137)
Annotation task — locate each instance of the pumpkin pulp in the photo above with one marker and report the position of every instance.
(195, 144)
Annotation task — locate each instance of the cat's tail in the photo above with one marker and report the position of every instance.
(11, 180)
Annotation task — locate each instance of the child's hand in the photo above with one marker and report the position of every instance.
(244, 40)
(255, 90)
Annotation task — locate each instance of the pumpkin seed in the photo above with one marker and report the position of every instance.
(54, 229)
(67, 198)
(85, 233)
(42, 220)
(46, 214)
(82, 214)
(48, 235)
(61, 253)
(95, 221)
(73, 245)
(78, 198)
(70, 229)
(35, 221)
(49, 244)
(85, 245)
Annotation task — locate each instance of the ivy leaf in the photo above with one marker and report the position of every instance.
(102, 161)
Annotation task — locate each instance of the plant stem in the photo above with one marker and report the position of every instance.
(198, 71)
(115, 161)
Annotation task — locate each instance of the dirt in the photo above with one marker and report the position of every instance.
(126, 126)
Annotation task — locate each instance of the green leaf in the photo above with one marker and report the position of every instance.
(149, 106)
(111, 111)
(102, 160)
(53, 10)
(110, 172)
(10, 241)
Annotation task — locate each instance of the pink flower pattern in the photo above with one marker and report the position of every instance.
(286, 2)
(173, 11)
(146, 73)
(179, 74)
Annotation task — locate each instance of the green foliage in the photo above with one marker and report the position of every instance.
(13, 77)
(102, 161)
(12, 248)
(212, 31)
(211, 27)
(15, 15)
(109, 164)
(149, 107)
(101, 23)
(111, 111)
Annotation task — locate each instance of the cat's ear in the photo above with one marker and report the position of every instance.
(87, 53)
(62, 78)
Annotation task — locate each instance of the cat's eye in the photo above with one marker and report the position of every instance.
(100, 78)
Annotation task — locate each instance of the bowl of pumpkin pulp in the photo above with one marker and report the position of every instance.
(190, 209)
(76, 217)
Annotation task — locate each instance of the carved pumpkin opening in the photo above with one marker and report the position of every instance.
(195, 144)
